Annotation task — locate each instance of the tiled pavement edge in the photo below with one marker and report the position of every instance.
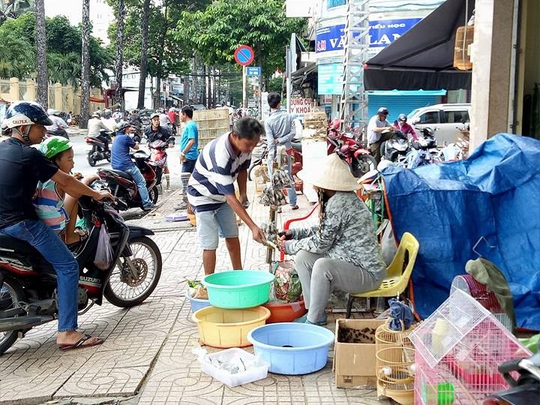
(147, 356)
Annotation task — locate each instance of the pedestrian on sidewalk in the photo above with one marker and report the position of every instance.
(280, 131)
(379, 130)
(211, 192)
(189, 150)
(341, 253)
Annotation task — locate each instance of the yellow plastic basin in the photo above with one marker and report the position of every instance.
(226, 328)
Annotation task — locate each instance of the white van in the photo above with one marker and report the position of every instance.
(446, 120)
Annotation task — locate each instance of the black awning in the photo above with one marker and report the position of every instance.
(423, 57)
(307, 73)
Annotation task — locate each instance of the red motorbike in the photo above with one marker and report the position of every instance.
(351, 149)
(158, 158)
(124, 188)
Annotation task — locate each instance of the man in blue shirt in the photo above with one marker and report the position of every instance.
(120, 160)
(189, 149)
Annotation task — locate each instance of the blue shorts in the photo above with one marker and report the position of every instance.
(214, 224)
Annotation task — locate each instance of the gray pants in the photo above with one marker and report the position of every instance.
(319, 275)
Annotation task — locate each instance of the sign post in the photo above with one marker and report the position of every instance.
(244, 56)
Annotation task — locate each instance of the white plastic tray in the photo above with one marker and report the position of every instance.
(257, 369)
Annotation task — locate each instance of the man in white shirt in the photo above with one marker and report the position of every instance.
(379, 130)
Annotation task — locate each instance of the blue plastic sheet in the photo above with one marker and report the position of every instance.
(449, 207)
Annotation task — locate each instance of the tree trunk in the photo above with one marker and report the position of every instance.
(41, 43)
(118, 96)
(85, 79)
(204, 87)
(144, 53)
(186, 89)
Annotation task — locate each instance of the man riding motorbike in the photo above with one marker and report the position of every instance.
(58, 125)
(156, 131)
(121, 160)
(22, 167)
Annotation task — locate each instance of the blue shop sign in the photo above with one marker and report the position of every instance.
(381, 34)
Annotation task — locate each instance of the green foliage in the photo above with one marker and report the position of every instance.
(275, 84)
(218, 30)
(18, 51)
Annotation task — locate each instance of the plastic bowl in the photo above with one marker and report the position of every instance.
(226, 328)
(292, 348)
(197, 303)
(238, 288)
(285, 312)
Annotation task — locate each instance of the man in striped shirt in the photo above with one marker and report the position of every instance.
(212, 196)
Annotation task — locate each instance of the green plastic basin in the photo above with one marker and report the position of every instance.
(238, 289)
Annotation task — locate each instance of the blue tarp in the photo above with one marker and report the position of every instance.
(448, 207)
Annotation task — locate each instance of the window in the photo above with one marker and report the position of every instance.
(335, 3)
(456, 117)
(431, 117)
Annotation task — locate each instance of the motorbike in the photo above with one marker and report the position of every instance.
(295, 152)
(59, 132)
(124, 188)
(395, 149)
(350, 149)
(28, 295)
(158, 158)
(523, 376)
(100, 147)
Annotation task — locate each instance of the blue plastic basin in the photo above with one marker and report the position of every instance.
(238, 289)
(292, 348)
(197, 303)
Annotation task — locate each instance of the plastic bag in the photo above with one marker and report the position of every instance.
(104, 252)
(287, 286)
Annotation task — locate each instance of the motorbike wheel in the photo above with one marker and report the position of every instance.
(10, 295)
(91, 160)
(250, 170)
(153, 194)
(363, 164)
(135, 277)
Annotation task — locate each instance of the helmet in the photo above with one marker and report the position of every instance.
(96, 114)
(123, 125)
(383, 110)
(54, 145)
(402, 117)
(26, 113)
(154, 115)
(107, 113)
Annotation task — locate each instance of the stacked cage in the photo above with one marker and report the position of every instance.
(212, 124)
(458, 350)
(394, 364)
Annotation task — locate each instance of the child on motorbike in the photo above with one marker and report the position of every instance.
(342, 252)
(53, 206)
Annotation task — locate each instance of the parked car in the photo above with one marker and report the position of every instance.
(446, 120)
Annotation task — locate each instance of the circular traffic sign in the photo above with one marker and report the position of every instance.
(244, 55)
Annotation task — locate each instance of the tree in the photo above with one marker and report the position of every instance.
(144, 53)
(218, 30)
(41, 44)
(85, 78)
(121, 16)
(17, 56)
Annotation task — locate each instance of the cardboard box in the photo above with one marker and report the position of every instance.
(354, 352)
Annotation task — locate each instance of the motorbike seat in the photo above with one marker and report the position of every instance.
(120, 173)
(20, 246)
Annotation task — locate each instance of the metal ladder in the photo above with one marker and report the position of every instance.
(353, 108)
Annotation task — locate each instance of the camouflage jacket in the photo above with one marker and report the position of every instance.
(346, 233)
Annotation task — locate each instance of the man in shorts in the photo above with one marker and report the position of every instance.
(212, 195)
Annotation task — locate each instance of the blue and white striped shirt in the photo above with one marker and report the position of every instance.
(214, 175)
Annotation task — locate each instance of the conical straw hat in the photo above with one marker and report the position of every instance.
(334, 175)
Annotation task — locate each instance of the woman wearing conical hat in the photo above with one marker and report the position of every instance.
(341, 252)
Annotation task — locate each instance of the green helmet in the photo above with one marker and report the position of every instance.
(54, 145)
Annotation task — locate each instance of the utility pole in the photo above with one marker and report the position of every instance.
(353, 111)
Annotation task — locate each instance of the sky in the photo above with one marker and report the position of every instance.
(70, 8)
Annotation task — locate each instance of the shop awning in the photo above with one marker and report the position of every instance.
(307, 73)
(423, 57)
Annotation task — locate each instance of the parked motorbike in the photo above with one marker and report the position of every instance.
(100, 147)
(124, 188)
(350, 149)
(295, 152)
(395, 149)
(523, 376)
(28, 294)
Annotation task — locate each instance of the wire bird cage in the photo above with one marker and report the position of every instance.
(458, 350)
(394, 363)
